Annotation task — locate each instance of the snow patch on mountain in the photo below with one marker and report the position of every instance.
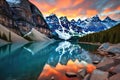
(67, 29)
(63, 35)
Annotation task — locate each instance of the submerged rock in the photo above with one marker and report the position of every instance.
(96, 62)
(71, 74)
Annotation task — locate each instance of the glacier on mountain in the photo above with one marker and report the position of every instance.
(66, 29)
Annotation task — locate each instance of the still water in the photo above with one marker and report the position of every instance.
(41, 60)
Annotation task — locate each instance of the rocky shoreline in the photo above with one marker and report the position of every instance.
(108, 68)
(91, 43)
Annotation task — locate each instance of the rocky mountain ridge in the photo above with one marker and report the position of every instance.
(21, 16)
(79, 27)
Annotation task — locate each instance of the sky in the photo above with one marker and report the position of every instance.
(75, 9)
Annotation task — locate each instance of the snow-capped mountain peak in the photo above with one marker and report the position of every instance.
(67, 29)
(96, 18)
(108, 19)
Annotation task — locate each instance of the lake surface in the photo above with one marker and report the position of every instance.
(29, 61)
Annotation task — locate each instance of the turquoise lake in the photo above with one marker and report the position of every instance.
(20, 61)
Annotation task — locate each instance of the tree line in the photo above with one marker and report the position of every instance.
(111, 35)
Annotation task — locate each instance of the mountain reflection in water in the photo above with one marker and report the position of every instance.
(36, 60)
(66, 58)
(59, 71)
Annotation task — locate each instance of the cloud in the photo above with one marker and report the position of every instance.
(90, 13)
(79, 8)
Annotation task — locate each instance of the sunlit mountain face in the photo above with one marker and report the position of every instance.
(71, 18)
(75, 9)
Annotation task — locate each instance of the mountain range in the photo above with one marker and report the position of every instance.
(24, 20)
(111, 35)
(80, 27)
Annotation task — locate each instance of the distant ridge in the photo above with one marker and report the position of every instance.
(111, 35)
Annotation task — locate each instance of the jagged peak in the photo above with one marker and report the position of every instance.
(96, 18)
(64, 18)
(79, 19)
(108, 19)
(52, 14)
(88, 19)
(73, 20)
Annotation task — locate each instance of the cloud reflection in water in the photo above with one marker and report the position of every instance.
(67, 57)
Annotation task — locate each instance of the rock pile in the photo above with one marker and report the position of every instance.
(106, 69)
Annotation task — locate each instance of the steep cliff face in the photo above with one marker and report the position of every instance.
(4, 8)
(22, 16)
(28, 16)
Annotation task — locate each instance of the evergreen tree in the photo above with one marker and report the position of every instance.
(112, 35)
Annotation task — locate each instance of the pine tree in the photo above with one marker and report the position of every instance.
(112, 35)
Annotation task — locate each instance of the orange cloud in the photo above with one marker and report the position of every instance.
(107, 10)
(90, 13)
(63, 4)
(73, 9)
(118, 8)
(52, 10)
(76, 2)
(48, 9)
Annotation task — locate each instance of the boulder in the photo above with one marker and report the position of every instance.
(82, 72)
(105, 64)
(87, 77)
(115, 77)
(104, 46)
(115, 69)
(52, 78)
(99, 75)
(114, 49)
